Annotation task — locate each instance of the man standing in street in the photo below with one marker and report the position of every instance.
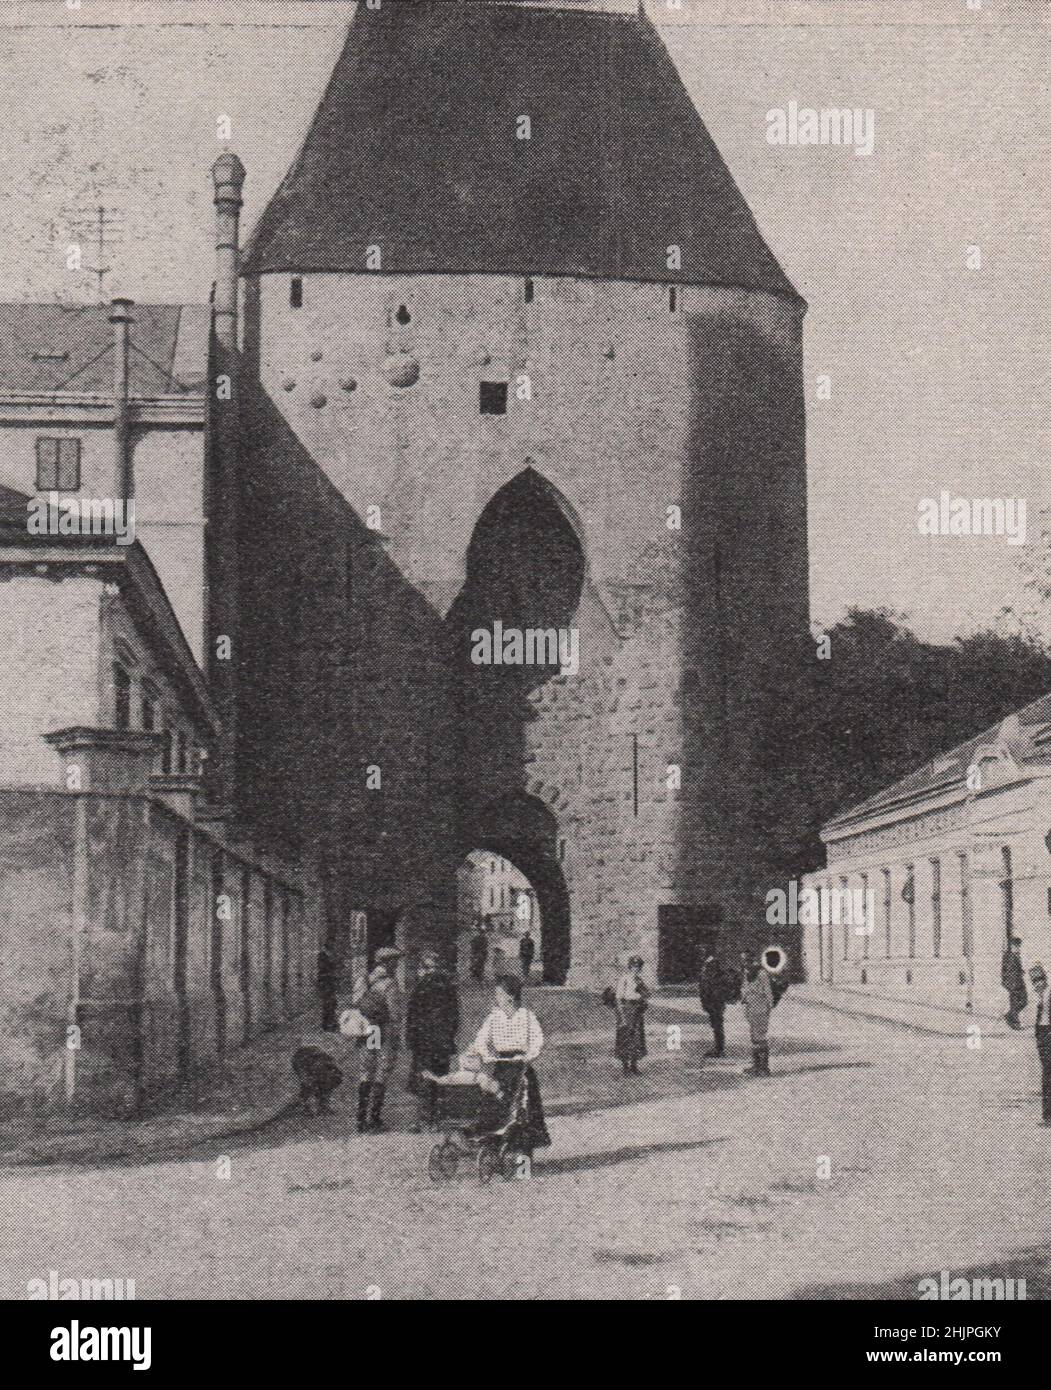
(328, 987)
(479, 951)
(526, 952)
(717, 988)
(1012, 977)
(431, 1020)
(757, 1000)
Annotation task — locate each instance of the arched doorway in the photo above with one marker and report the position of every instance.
(525, 572)
(523, 831)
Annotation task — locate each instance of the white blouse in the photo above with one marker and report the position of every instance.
(519, 1033)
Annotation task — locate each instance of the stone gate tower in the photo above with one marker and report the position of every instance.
(520, 359)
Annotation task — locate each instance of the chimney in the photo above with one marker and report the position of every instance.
(120, 318)
(228, 174)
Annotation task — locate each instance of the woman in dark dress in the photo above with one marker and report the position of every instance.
(630, 999)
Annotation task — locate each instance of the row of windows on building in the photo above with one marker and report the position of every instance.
(879, 887)
(497, 897)
(179, 754)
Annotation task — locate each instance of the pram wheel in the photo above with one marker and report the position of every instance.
(441, 1165)
(489, 1164)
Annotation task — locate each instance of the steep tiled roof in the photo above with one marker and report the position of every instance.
(414, 149)
(47, 348)
(1026, 736)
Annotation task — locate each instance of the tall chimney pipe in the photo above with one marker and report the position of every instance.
(120, 318)
(228, 174)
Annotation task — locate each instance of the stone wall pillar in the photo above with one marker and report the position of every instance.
(105, 760)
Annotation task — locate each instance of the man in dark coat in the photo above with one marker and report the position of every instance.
(479, 951)
(328, 987)
(431, 1021)
(526, 952)
(1012, 977)
(717, 988)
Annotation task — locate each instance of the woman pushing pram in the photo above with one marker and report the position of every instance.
(496, 1114)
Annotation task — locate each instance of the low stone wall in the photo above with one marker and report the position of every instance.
(136, 949)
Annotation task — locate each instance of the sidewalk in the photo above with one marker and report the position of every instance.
(903, 1013)
(254, 1088)
(257, 1088)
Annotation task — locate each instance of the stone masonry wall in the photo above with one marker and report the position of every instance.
(634, 408)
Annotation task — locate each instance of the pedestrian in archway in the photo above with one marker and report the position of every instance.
(526, 953)
(479, 952)
(630, 998)
(383, 1008)
(432, 1017)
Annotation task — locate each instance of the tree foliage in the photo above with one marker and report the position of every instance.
(882, 704)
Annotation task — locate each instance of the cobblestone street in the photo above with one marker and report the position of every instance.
(691, 1180)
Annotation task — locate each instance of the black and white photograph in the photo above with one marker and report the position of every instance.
(525, 663)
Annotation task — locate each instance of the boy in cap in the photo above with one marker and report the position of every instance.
(382, 1006)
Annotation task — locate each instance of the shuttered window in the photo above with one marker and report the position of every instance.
(58, 465)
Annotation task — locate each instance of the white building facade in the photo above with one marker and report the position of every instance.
(925, 881)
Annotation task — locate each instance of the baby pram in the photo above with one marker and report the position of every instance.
(487, 1128)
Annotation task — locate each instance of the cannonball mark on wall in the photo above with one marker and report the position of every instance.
(401, 369)
(318, 400)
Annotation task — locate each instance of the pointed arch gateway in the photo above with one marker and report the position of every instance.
(525, 569)
(520, 828)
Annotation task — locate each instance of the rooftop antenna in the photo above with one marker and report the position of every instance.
(103, 227)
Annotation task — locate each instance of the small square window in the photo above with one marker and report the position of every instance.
(295, 292)
(492, 399)
(58, 465)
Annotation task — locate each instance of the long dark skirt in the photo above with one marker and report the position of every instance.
(494, 1111)
(630, 1042)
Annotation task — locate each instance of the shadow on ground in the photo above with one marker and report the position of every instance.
(577, 1077)
(630, 1153)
